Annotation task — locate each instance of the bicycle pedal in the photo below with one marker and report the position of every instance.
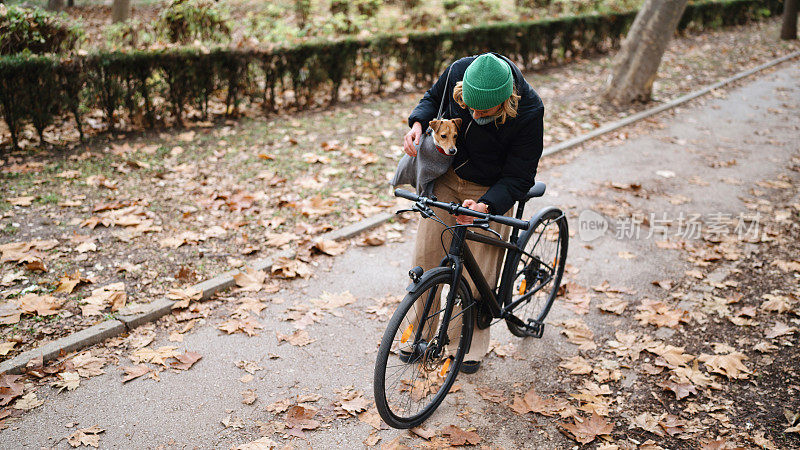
(536, 328)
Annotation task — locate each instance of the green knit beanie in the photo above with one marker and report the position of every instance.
(487, 82)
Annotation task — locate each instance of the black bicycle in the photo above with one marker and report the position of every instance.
(425, 342)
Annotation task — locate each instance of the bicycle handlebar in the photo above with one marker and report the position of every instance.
(455, 209)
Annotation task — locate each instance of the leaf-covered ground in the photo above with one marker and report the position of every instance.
(685, 341)
(161, 211)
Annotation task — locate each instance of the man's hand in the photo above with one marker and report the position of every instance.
(471, 204)
(412, 138)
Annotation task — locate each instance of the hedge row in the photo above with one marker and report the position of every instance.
(152, 85)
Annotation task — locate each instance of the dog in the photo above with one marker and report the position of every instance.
(434, 157)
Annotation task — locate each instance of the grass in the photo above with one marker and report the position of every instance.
(49, 198)
(9, 229)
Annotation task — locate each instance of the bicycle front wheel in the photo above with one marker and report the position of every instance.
(414, 371)
(538, 271)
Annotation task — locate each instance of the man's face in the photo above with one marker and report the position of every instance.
(485, 116)
(491, 112)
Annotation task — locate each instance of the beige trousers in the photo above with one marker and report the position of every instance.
(428, 252)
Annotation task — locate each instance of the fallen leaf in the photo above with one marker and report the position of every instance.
(585, 431)
(264, 443)
(779, 329)
(136, 371)
(67, 380)
(290, 268)
(457, 436)
(249, 396)
(158, 356)
(729, 365)
(331, 247)
(88, 365)
(86, 436)
(186, 360)
(247, 325)
(183, 297)
(43, 305)
(299, 338)
(28, 402)
(252, 280)
(491, 395)
(577, 365)
(681, 390)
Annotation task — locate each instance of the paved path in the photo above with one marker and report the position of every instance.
(757, 124)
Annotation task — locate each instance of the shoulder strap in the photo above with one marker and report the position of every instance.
(444, 93)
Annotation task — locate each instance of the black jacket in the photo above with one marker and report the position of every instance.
(504, 157)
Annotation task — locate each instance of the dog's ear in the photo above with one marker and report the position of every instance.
(458, 123)
(434, 124)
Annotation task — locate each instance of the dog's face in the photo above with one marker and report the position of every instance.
(445, 132)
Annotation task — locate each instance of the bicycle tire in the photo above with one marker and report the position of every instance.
(389, 410)
(526, 266)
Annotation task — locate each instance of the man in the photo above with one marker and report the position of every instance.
(499, 146)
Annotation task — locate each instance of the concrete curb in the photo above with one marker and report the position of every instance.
(133, 318)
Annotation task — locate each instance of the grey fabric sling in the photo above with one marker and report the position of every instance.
(422, 170)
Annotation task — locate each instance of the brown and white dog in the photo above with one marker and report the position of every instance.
(434, 157)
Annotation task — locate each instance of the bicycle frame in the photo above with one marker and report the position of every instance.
(459, 257)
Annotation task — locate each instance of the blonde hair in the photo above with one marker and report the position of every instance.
(508, 109)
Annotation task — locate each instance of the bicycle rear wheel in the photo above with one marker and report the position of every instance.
(413, 372)
(541, 267)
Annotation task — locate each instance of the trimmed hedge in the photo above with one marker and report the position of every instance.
(36, 90)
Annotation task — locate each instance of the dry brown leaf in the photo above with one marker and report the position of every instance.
(86, 436)
(88, 365)
(614, 305)
(457, 436)
(6, 347)
(331, 247)
(10, 388)
(68, 282)
(779, 329)
(577, 365)
(424, 433)
(578, 333)
(28, 401)
(67, 380)
(186, 360)
(111, 295)
(158, 356)
(299, 338)
(246, 325)
(681, 390)
(264, 443)
(280, 239)
(249, 396)
(183, 297)
(730, 365)
(371, 418)
(330, 302)
(252, 280)
(585, 431)
(290, 268)
(43, 305)
(491, 395)
(657, 313)
(136, 371)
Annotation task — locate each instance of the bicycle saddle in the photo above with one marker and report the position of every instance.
(536, 191)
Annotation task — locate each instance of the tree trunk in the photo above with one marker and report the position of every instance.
(636, 65)
(55, 5)
(70, 3)
(120, 10)
(789, 27)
